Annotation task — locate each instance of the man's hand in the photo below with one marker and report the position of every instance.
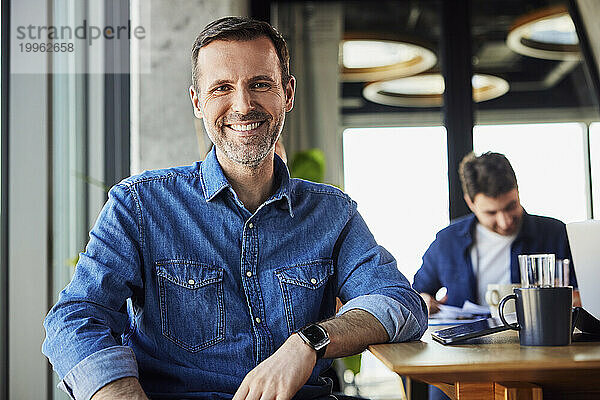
(433, 305)
(280, 376)
(121, 389)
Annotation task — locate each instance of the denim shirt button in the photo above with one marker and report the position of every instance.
(191, 281)
(313, 281)
(249, 274)
(257, 320)
(250, 225)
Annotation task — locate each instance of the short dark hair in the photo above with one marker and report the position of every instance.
(242, 29)
(489, 174)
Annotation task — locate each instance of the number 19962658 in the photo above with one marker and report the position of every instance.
(46, 47)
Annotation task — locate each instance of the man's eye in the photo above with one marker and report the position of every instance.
(220, 89)
(261, 85)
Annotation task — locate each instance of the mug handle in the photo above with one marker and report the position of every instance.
(516, 327)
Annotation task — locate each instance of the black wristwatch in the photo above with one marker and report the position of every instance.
(316, 337)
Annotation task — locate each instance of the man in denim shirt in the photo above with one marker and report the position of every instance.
(197, 280)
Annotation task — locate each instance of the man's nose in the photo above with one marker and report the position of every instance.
(503, 220)
(242, 101)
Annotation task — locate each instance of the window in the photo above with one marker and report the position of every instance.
(549, 161)
(399, 178)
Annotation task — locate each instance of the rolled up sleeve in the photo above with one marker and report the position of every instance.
(97, 370)
(399, 322)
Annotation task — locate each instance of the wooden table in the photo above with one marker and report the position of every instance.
(497, 367)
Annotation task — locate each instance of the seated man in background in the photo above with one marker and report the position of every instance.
(218, 280)
(482, 247)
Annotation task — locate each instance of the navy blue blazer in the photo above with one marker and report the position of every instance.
(447, 261)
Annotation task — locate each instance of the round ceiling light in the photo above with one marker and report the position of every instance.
(426, 90)
(548, 33)
(364, 60)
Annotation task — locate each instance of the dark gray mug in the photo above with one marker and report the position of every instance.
(543, 315)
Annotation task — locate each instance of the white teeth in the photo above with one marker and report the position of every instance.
(247, 127)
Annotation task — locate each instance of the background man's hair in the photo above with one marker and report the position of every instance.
(243, 29)
(489, 174)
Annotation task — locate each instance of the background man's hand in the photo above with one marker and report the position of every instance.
(281, 375)
(433, 305)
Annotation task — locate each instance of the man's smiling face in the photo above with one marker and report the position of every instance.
(241, 98)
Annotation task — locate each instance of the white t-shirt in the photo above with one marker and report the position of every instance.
(490, 255)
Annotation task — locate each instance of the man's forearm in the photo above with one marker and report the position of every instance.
(351, 333)
(125, 389)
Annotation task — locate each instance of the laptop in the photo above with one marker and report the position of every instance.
(584, 239)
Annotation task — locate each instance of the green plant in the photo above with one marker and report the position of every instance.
(308, 164)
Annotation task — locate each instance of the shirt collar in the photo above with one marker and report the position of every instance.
(212, 176)
(466, 229)
(214, 181)
(282, 176)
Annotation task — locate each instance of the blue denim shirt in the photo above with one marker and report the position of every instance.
(184, 288)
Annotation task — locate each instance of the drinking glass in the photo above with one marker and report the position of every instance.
(561, 272)
(537, 270)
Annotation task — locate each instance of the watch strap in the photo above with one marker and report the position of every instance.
(321, 352)
(320, 346)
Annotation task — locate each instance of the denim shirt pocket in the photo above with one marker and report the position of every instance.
(303, 287)
(192, 311)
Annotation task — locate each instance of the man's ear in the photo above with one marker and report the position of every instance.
(195, 102)
(470, 204)
(290, 91)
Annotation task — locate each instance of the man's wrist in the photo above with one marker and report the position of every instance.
(316, 337)
(301, 349)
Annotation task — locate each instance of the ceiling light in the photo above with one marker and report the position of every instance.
(548, 33)
(426, 90)
(365, 59)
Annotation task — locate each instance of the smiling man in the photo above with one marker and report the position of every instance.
(219, 280)
(482, 248)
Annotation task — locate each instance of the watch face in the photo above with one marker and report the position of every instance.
(316, 336)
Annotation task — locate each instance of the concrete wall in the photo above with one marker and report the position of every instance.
(313, 32)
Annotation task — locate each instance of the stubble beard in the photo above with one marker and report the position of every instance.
(252, 154)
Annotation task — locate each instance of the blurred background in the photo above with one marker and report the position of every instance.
(391, 95)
